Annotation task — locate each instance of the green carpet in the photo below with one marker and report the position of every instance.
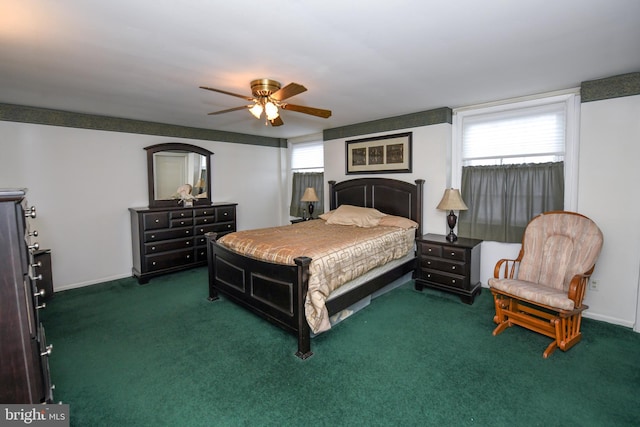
(162, 355)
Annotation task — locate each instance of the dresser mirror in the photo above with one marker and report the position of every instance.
(178, 175)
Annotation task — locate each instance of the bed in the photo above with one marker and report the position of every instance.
(278, 292)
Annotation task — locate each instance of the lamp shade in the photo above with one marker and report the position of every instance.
(309, 195)
(452, 201)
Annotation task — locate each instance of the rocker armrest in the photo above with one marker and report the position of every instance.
(578, 286)
(507, 266)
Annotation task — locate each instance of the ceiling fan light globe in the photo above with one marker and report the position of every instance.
(271, 110)
(256, 110)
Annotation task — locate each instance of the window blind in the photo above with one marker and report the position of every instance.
(307, 155)
(526, 132)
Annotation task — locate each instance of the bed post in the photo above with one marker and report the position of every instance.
(213, 292)
(419, 205)
(304, 332)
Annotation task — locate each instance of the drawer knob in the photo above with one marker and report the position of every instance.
(34, 233)
(153, 263)
(453, 268)
(153, 236)
(153, 248)
(453, 253)
(186, 231)
(157, 221)
(34, 247)
(40, 293)
(36, 264)
(188, 242)
(43, 305)
(47, 351)
(226, 213)
(38, 277)
(205, 220)
(453, 281)
(30, 212)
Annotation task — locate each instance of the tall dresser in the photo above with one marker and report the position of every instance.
(167, 240)
(24, 370)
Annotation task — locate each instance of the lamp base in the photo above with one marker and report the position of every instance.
(310, 210)
(452, 219)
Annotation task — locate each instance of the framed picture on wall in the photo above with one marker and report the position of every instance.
(381, 154)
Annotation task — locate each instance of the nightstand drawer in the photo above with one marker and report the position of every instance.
(458, 254)
(445, 279)
(430, 249)
(442, 265)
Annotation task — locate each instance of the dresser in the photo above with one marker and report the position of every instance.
(449, 266)
(167, 240)
(24, 352)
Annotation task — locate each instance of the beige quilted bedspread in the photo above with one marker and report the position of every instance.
(339, 253)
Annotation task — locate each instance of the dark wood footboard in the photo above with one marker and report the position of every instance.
(275, 292)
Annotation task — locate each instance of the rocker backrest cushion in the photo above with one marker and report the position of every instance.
(557, 246)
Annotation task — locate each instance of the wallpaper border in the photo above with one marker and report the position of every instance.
(610, 87)
(44, 116)
(422, 118)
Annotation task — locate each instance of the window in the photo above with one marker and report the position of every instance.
(307, 167)
(515, 160)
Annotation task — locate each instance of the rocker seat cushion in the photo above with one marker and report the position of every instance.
(534, 292)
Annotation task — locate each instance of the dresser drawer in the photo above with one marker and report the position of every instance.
(181, 222)
(187, 213)
(442, 265)
(169, 260)
(225, 214)
(201, 220)
(169, 245)
(217, 227)
(155, 220)
(174, 233)
(445, 279)
(204, 212)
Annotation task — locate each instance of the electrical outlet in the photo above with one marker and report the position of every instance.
(594, 284)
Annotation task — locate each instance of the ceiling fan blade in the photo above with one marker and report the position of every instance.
(307, 110)
(292, 89)
(244, 107)
(277, 121)
(248, 98)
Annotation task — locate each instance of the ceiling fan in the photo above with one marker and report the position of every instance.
(268, 97)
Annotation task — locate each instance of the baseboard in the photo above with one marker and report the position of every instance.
(608, 319)
(88, 283)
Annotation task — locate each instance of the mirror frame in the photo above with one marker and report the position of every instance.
(175, 146)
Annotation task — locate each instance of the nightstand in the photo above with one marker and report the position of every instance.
(449, 266)
(297, 220)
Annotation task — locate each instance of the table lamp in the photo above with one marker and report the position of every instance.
(452, 201)
(310, 196)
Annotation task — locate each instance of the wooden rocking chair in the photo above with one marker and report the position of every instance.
(542, 290)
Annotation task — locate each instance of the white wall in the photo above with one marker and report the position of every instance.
(430, 152)
(82, 183)
(608, 193)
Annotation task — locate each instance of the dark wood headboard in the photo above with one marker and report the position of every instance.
(390, 196)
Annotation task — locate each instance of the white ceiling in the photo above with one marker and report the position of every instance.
(364, 60)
